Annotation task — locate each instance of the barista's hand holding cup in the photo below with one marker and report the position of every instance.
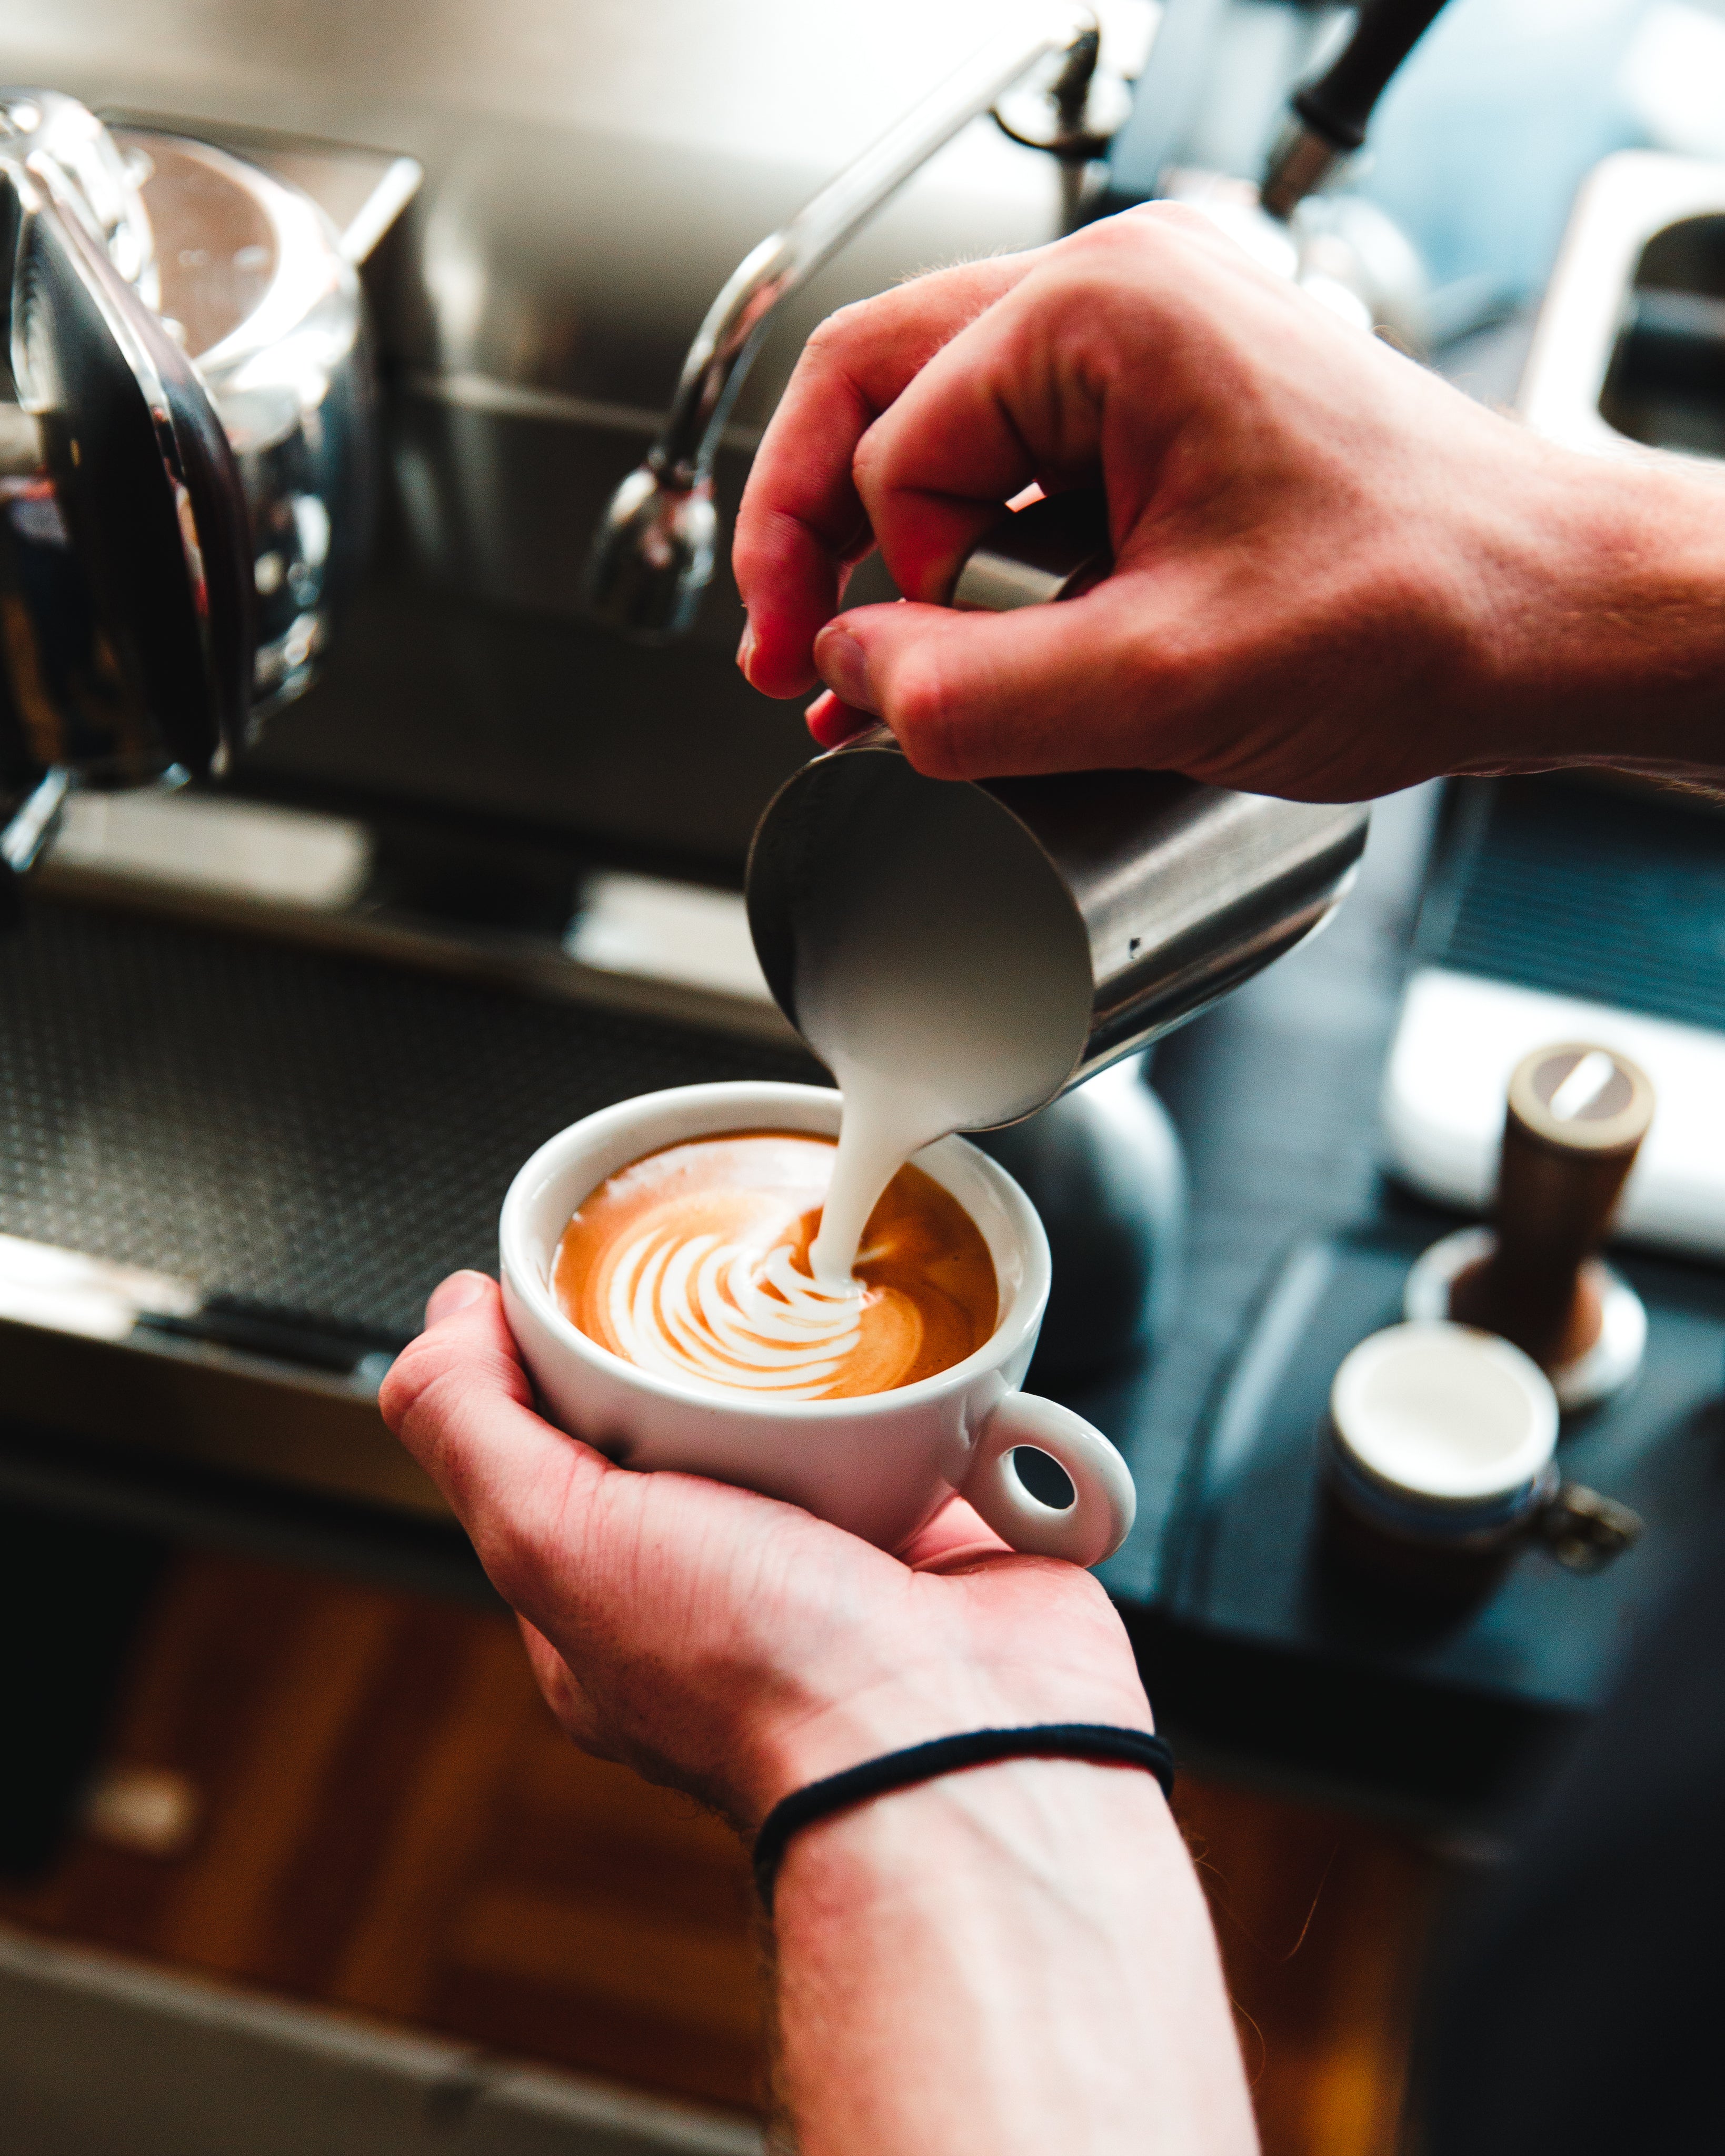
(658, 1276)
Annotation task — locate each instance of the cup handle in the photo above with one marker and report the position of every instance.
(1104, 1502)
(1584, 1531)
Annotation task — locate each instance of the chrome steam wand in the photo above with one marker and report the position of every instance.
(653, 555)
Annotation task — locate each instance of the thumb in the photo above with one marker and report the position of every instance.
(459, 1401)
(1074, 686)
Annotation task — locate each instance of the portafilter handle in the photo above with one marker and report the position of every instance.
(1329, 121)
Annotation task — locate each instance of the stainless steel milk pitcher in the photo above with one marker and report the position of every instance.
(1131, 900)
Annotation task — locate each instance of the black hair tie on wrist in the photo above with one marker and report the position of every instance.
(923, 1763)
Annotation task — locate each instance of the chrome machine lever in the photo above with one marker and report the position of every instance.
(123, 539)
(187, 453)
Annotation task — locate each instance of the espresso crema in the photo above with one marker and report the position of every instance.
(695, 1263)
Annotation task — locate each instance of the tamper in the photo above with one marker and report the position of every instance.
(1576, 1116)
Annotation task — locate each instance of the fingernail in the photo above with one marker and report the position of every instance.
(746, 649)
(459, 1291)
(844, 666)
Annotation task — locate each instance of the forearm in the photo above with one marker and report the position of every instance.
(1607, 645)
(1017, 1957)
(1335, 575)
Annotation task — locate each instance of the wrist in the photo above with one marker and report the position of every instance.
(1016, 1957)
(912, 1706)
(1061, 1821)
(1604, 641)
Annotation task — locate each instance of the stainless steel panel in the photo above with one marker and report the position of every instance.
(594, 170)
(192, 1402)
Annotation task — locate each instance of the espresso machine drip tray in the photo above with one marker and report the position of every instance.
(231, 1172)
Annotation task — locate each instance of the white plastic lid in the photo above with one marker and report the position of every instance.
(1445, 1411)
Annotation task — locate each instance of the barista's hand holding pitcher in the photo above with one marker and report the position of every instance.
(1335, 574)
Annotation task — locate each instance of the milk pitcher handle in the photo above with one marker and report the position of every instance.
(1104, 1500)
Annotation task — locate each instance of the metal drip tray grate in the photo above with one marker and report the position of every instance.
(1615, 899)
(291, 1130)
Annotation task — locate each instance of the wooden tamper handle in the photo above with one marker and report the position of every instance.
(1575, 1120)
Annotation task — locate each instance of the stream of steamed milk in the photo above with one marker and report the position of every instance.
(944, 984)
(885, 1121)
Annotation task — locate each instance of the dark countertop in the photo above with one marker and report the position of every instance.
(1253, 1644)
(1275, 1094)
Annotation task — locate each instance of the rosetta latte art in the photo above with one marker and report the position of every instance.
(725, 1312)
(694, 1265)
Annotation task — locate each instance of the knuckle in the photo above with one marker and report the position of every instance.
(838, 333)
(922, 715)
(871, 462)
(433, 1383)
(1103, 240)
(1096, 250)
(1155, 225)
(429, 1412)
(512, 1560)
(1131, 252)
(408, 1377)
(1168, 217)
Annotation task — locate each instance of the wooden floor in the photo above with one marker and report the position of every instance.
(349, 1794)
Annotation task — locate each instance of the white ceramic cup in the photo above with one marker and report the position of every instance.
(880, 1465)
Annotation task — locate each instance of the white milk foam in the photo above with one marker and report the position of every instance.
(942, 977)
(732, 1314)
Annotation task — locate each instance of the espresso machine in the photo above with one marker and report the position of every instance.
(375, 777)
